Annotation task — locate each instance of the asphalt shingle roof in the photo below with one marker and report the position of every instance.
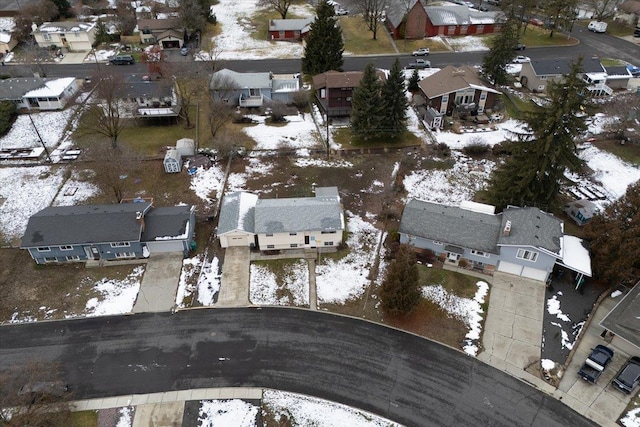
(241, 80)
(336, 79)
(551, 67)
(290, 24)
(531, 227)
(67, 225)
(166, 222)
(452, 79)
(623, 320)
(460, 15)
(452, 225)
(237, 212)
(12, 89)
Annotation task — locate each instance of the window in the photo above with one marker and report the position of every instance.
(543, 77)
(479, 253)
(73, 257)
(51, 259)
(323, 93)
(328, 243)
(269, 234)
(329, 232)
(451, 29)
(254, 92)
(293, 234)
(120, 244)
(445, 98)
(528, 255)
(44, 249)
(270, 246)
(293, 245)
(46, 36)
(479, 29)
(435, 242)
(348, 99)
(125, 255)
(66, 248)
(483, 96)
(281, 34)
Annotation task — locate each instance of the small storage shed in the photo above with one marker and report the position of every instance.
(581, 211)
(172, 161)
(186, 147)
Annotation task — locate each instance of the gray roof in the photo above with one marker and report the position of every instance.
(67, 225)
(65, 27)
(16, 88)
(451, 224)
(135, 87)
(299, 214)
(531, 227)
(237, 212)
(396, 13)
(623, 320)
(165, 222)
(460, 15)
(244, 80)
(551, 67)
(290, 24)
(617, 70)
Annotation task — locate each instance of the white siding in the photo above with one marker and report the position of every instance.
(236, 238)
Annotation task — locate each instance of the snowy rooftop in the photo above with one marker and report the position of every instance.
(51, 88)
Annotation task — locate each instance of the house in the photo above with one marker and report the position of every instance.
(418, 21)
(457, 89)
(7, 42)
(628, 12)
(333, 90)
(289, 29)
(74, 36)
(150, 95)
(581, 211)
(623, 322)
(60, 234)
(536, 74)
(172, 161)
(253, 89)
(283, 223)
(35, 93)
(617, 77)
(525, 241)
(167, 33)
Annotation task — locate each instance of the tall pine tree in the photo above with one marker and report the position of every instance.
(400, 291)
(394, 120)
(367, 105)
(494, 63)
(325, 46)
(532, 175)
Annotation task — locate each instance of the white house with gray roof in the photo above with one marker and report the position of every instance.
(284, 223)
(72, 35)
(30, 93)
(253, 89)
(525, 241)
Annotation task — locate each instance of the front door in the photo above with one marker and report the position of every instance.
(453, 257)
(95, 252)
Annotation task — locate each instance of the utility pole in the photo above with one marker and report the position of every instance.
(40, 138)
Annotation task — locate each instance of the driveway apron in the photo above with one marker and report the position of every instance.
(234, 287)
(159, 283)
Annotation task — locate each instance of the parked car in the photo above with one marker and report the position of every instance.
(520, 46)
(636, 32)
(419, 64)
(521, 59)
(483, 8)
(536, 21)
(596, 363)
(122, 60)
(342, 12)
(185, 50)
(628, 376)
(423, 51)
(494, 2)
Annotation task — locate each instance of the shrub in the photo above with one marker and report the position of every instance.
(8, 114)
(443, 149)
(475, 149)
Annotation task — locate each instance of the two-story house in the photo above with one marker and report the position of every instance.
(71, 35)
(253, 90)
(333, 90)
(150, 95)
(167, 33)
(525, 241)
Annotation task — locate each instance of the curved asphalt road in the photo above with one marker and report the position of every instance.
(397, 375)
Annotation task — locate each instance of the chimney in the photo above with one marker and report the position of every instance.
(140, 219)
(507, 229)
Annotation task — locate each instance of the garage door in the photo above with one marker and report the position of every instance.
(534, 273)
(509, 267)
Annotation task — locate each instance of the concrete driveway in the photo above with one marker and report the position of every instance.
(159, 283)
(234, 286)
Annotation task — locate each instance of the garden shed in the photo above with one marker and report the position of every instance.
(172, 161)
(186, 147)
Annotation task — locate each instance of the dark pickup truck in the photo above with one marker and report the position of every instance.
(419, 64)
(596, 363)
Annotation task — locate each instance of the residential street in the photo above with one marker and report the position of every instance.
(399, 376)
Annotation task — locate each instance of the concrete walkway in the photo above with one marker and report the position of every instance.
(313, 293)
(159, 283)
(234, 286)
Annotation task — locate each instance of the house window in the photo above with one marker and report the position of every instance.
(281, 34)
(293, 245)
(329, 232)
(543, 77)
(51, 259)
(483, 96)
(338, 99)
(270, 246)
(348, 99)
(125, 255)
(46, 36)
(323, 93)
(269, 234)
(445, 98)
(435, 242)
(73, 257)
(451, 29)
(528, 255)
(254, 92)
(293, 234)
(479, 29)
(479, 253)
(120, 244)
(66, 248)
(464, 29)
(328, 243)
(44, 249)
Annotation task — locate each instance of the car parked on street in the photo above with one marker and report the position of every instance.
(536, 21)
(521, 59)
(596, 363)
(122, 60)
(419, 64)
(423, 51)
(628, 376)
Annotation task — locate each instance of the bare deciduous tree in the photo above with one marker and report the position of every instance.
(126, 17)
(280, 6)
(373, 11)
(113, 168)
(220, 114)
(188, 84)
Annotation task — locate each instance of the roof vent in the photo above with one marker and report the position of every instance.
(138, 215)
(507, 229)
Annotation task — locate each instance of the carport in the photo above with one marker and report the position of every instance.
(575, 257)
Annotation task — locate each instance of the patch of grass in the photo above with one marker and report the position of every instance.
(628, 152)
(359, 40)
(408, 46)
(516, 106)
(456, 283)
(617, 28)
(537, 36)
(347, 139)
(84, 419)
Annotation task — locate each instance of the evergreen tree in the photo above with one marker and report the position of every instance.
(393, 95)
(615, 239)
(325, 46)
(64, 8)
(414, 80)
(494, 63)
(533, 173)
(367, 105)
(400, 292)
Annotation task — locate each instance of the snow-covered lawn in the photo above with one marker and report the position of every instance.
(199, 278)
(51, 125)
(268, 289)
(300, 133)
(115, 296)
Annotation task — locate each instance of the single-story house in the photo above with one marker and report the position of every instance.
(617, 77)
(72, 35)
(581, 211)
(283, 223)
(7, 42)
(289, 29)
(525, 241)
(623, 322)
(150, 95)
(167, 33)
(333, 90)
(536, 74)
(457, 89)
(60, 234)
(29, 93)
(253, 89)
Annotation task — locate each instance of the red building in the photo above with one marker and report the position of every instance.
(289, 29)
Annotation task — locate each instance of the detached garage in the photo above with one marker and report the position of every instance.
(236, 224)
